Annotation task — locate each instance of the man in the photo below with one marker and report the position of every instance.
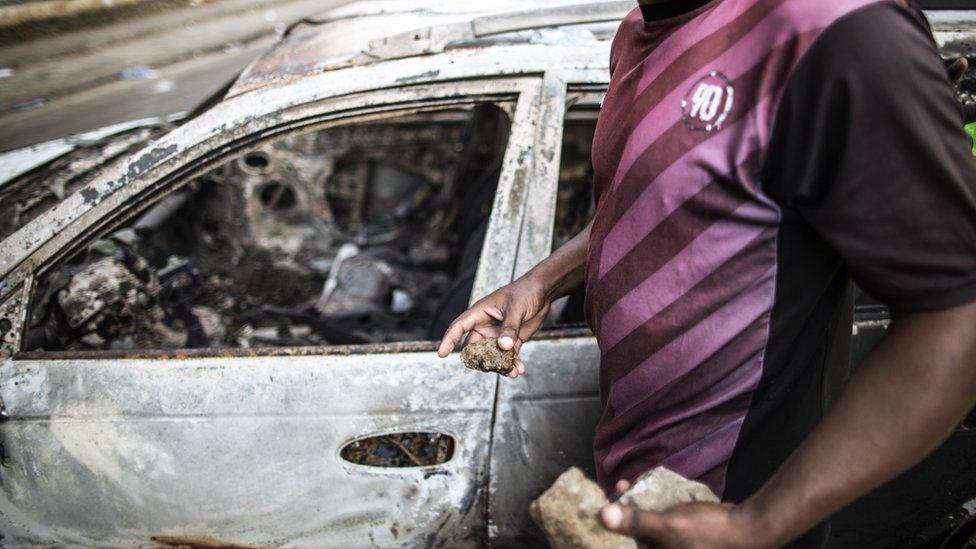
(752, 156)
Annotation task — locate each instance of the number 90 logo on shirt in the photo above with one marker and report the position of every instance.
(708, 103)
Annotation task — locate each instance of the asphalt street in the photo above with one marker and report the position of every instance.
(158, 65)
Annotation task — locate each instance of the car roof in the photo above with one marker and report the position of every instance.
(374, 31)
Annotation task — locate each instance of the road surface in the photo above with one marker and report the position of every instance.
(157, 65)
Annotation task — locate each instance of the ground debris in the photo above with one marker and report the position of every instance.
(485, 356)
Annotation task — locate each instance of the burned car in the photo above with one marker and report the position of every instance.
(220, 330)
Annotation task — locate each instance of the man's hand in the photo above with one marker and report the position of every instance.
(692, 525)
(710, 525)
(515, 312)
(903, 400)
(511, 314)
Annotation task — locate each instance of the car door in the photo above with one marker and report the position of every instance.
(545, 421)
(246, 446)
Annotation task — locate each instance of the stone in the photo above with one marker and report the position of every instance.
(568, 513)
(485, 356)
(661, 489)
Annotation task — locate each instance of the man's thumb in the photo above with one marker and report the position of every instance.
(613, 517)
(631, 522)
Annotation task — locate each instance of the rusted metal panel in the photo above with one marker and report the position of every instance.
(343, 350)
(544, 421)
(195, 543)
(366, 32)
(497, 253)
(242, 450)
(544, 424)
(13, 318)
(20, 161)
(435, 39)
(535, 239)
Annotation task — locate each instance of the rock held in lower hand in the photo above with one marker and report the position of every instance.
(661, 489)
(568, 512)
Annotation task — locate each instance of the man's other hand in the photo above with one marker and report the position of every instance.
(692, 525)
(703, 525)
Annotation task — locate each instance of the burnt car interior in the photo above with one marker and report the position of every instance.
(362, 233)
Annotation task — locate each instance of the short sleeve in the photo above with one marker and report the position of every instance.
(868, 149)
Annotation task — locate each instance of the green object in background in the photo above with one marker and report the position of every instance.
(971, 130)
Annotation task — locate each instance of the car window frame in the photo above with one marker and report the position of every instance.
(517, 95)
(563, 90)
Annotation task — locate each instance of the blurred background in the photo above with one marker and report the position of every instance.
(67, 66)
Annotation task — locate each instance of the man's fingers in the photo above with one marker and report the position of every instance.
(450, 340)
(510, 327)
(532, 325)
(622, 486)
(462, 325)
(495, 312)
(958, 69)
(647, 526)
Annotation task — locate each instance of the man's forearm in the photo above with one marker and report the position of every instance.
(563, 271)
(901, 403)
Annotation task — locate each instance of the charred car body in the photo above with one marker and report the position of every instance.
(219, 330)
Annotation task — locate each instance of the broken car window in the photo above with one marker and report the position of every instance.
(362, 233)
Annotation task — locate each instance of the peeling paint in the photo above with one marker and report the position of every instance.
(90, 196)
(181, 542)
(148, 160)
(423, 76)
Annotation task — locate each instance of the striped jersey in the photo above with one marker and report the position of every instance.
(751, 157)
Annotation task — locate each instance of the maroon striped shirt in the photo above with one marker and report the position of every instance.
(682, 263)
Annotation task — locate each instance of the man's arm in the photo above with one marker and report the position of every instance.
(563, 271)
(906, 397)
(514, 313)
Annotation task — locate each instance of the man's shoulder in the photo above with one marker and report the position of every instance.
(818, 15)
(866, 36)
